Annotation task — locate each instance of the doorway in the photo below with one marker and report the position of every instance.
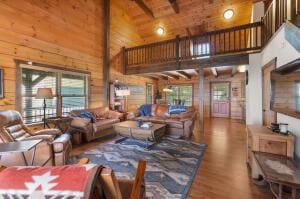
(269, 116)
(220, 99)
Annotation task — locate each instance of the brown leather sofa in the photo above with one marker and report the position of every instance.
(179, 125)
(103, 125)
(12, 129)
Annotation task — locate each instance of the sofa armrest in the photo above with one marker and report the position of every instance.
(47, 138)
(61, 143)
(55, 132)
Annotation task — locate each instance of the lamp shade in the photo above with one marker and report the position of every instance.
(44, 93)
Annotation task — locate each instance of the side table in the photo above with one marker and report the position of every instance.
(20, 147)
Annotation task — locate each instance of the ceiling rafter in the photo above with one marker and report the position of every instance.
(145, 8)
(174, 5)
(185, 74)
(171, 75)
(214, 71)
(233, 71)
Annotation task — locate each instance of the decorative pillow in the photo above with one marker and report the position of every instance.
(101, 113)
(145, 110)
(87, 115)
(175, 109)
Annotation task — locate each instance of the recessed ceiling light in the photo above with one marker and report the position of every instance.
(160, 30)
(228, 14)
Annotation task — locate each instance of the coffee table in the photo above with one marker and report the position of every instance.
(130, 129)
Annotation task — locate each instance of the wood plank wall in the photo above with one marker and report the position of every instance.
(237, 81)
(123, 33)
(63, 33)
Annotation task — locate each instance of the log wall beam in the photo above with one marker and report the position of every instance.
(174, 6)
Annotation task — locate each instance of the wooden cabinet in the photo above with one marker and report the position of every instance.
(262, 139)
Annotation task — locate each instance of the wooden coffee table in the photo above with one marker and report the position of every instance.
(130, 129)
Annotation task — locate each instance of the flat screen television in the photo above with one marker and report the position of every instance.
(285, 89)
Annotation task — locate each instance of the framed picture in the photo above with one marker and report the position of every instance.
(1, 84)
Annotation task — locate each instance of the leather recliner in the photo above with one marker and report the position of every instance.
(13, 129)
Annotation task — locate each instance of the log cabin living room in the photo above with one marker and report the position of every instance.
(153, 99)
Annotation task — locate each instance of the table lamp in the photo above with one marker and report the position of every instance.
(44, 93)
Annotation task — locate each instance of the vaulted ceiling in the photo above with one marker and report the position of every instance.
(194, 16)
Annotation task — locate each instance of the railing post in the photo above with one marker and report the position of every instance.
(177, 52)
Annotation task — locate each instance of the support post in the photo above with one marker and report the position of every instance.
(105, 93)
(201, 98)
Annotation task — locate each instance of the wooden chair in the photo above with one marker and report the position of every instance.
(108, 187)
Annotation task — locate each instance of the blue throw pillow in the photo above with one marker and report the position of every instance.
(145, 110)
(87, 115)
(175, 109)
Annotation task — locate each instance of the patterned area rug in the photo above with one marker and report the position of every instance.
(171, 164)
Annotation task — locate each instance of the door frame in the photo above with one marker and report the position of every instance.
(210, 96)
(270, 63)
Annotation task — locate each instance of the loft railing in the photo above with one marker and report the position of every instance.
(226, 41)
(248, 38)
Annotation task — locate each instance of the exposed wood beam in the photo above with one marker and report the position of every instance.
(171, 75)
(214, 71)
(106, 21)
(185, 74)
(196, 71)
(145, 8)
(233, 70)
(174, 5)
(229, 60)
(163, 77)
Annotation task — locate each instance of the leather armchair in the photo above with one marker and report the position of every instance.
(13, 129)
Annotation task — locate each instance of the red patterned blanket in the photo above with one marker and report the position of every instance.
(73, 181)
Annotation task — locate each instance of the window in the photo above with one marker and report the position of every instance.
(183, 93)
(149, 94)
(298, 96)
(69, 92)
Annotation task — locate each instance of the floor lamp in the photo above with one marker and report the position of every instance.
(44, 93)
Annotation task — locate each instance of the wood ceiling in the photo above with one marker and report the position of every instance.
(192, 17)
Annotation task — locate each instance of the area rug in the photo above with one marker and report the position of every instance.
(171, 164)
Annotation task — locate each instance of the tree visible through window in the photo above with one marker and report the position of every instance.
(69, 91)
(183, 93)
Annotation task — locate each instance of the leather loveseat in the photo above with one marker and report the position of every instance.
(102, 126)
(178, 125)
(13, 129)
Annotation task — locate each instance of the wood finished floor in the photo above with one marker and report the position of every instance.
(223, 172)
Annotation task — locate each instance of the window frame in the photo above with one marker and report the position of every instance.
(59, 71)
(179, 85)
(152, 96)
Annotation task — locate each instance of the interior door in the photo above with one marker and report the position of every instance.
(269, 116)
(220, 100)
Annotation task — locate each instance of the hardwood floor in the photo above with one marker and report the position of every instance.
(223, 172)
